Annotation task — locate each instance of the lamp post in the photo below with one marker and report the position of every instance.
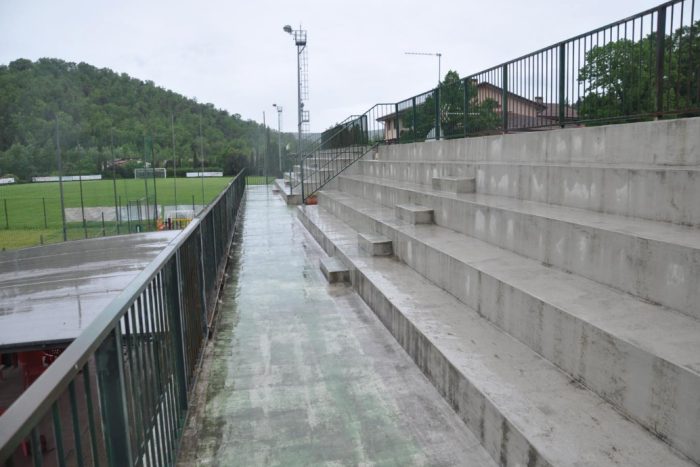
(279, 133)
(299, 36)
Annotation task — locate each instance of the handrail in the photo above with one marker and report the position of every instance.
(27, 411)
(571, 82)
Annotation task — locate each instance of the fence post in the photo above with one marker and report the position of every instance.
(7, 219)
(504, 97)
(437, 113)
(173, 289)
(110, 378)
(398, 122)
(43, 202)
(660, 52)
(465, 105)
(562, 84)
(301, 174)
(202, 280)
(413, 122)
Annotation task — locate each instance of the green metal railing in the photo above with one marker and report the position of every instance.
(643, 67)
(118, 394)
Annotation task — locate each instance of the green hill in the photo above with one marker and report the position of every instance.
(94, 106)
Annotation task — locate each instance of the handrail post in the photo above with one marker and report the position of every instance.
(398, 123)
(660, 53)
(413, 122)
(465, 105)
(562, 84)
(110, 377)
(437, 113)
(173, 288)
(504, 97)
(302, 179)
(202, 278)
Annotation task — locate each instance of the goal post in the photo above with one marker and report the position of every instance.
(151, 173)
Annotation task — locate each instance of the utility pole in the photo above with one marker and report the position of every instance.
(60, 182)
(114, 176)
(279, 133)
(266, 149)
(201, 153)
(172, 129)
(438, 91)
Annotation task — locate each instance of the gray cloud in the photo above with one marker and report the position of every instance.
(236, 56)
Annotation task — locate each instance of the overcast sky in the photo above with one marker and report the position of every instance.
(236, 56)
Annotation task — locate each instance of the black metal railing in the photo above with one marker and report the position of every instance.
(643, 67)
(118, 394)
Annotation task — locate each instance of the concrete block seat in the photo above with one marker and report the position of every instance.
(414, 213)
(653, 260)
(524, 410)
(283, 188)
(281, 184)
(375, 245)
(653, 192)
(334, 270)
(643, 358)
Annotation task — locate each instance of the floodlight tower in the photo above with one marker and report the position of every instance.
(299, 36)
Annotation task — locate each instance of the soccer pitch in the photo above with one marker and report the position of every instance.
(30, 214)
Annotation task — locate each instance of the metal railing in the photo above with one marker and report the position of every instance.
(643, 67)
(118, 394)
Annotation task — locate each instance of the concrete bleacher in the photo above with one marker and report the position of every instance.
(556, 307)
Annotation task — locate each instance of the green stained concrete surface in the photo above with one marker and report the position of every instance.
(300, 372)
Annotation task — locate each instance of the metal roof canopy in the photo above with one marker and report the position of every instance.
(49, 294)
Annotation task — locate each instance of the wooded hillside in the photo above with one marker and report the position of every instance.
(95, 105)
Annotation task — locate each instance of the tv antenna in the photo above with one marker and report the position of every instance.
(436, 54)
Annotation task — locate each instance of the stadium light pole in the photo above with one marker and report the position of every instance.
(279, 133)
(299, 36)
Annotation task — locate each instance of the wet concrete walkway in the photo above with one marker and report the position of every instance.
(300, 372)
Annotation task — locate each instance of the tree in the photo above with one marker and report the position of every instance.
(481, 116)
(620, 78)
(92, 104)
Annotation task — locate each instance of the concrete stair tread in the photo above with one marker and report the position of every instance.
(593, 165)
(661, 331)
(567, 423)
(651, 230)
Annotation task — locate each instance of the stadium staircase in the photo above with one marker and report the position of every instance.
(546, 283)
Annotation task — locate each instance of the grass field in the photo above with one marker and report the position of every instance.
(258, 180)
(30, 214)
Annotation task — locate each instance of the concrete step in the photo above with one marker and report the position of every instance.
(656, 261)
(643, 358)
(659, 193)
(670, 142)
(414, 213)
(454, 184)
(374, 245)
(334, 270)
(524, 410)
